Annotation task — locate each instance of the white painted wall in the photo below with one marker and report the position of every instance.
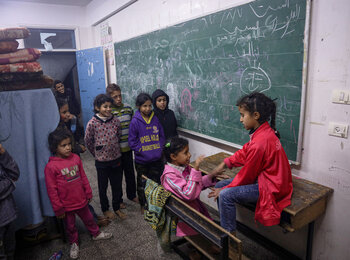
(18, 13)
(14, 13)
(99, 9)
(325, 159)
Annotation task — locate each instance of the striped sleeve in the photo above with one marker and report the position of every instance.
(185, 189)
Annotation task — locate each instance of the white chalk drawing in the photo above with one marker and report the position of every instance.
(173, 100)
(212, 119)
(254, 79)
(261, 10)
(91, 69)
(206, 64)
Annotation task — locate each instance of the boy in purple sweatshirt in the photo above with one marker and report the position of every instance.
(146, 139)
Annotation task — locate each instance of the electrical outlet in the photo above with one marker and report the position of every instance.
(338, 129)
(341, 96)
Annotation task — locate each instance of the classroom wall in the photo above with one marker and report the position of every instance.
(18, 13)
(325, 159)
(14, 14)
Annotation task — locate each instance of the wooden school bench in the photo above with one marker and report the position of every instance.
(309, 201)
(210, 233)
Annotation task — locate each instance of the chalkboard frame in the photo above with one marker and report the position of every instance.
(297, 161)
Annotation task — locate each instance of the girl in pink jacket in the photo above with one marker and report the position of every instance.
(69, 189)
(184, 181)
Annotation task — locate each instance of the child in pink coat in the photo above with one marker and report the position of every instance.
(69, 189)
(184, 181)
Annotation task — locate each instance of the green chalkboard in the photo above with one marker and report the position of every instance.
(207, 63)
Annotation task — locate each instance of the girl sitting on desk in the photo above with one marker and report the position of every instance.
(265, 178)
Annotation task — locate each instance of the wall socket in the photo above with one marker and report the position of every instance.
(341, 96)
(338, 129)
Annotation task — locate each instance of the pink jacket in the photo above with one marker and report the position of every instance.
(187, 186)
(66, 183)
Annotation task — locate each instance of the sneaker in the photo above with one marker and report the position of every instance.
(109, 214)
(120, 214)
(122, 205)
(74, 251)
(102, 236)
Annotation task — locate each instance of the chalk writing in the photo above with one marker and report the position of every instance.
(254, 79)
(207, 63)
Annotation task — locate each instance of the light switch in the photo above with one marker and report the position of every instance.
(341, 96)
(338, 129)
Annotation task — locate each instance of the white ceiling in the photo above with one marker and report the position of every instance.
(59, 2)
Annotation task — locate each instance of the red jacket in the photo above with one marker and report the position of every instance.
(66, 183)
(264, 159)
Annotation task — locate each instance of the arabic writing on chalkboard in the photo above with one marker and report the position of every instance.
(207, 63)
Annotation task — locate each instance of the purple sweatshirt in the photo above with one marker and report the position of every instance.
(146, 139)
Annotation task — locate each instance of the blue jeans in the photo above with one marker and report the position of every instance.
(229, 197)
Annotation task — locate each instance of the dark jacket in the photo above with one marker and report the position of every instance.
(166, 117)
(146, 139)
(9, 173)
(68, 95)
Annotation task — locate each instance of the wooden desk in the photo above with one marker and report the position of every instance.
(309, 199)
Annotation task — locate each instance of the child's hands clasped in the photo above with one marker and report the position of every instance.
(198, 162)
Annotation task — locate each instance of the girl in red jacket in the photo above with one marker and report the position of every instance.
(69, 189)
(265, 177)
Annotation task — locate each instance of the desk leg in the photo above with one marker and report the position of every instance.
(310, 236)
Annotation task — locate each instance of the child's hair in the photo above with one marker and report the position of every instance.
(174, 146)
(61, 102)
(100, 100)
(111, 88)
(57, 81)
(56, 137)
(258, 102)
(142, 98)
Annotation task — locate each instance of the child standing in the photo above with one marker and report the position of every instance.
(265, 177)
(184, 181)
(78, 146)
(69, 189)
(124, 113)
(165, 115)
(146, 139)
(9, 173)
(102, 137)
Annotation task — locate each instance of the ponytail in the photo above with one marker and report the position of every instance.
(273, 118)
